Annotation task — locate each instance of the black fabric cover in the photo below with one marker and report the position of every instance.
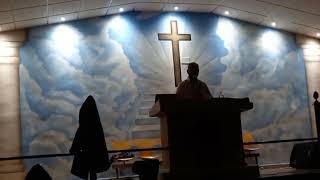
(89, 146)
(316, 105)
(37, 172)
(305, 156)
(147, 169)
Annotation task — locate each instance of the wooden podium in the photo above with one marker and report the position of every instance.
(204, 137)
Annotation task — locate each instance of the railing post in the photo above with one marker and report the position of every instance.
(316, 105)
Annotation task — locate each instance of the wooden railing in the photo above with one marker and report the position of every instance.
(70, 154)
(149, 149)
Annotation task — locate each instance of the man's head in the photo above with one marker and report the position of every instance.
(315, 95)
(193, 70)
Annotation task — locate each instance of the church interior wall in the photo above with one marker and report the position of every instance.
(121, 62)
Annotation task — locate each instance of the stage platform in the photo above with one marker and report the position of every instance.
(266, 173)
(286, 172)
(269, 173)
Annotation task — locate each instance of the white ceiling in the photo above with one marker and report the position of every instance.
(300, 16)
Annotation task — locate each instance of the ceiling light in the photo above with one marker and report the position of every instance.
(62, 18)
(318, 34)
(273, 24)
(226, 13)
(121, 9)
(176, 8)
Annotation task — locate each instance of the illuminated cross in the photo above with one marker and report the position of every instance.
(175, 37)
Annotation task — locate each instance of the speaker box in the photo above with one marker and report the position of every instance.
(305, 156)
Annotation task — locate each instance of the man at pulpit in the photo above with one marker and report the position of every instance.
(203, 134)
(193, 88)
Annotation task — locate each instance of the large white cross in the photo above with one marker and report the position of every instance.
(175, 37)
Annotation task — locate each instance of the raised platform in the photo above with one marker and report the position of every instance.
(276, 173)
(289, 173)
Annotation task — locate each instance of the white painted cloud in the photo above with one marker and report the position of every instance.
(54, 85)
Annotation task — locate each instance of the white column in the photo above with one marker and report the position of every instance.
(311, 54)
(10, 127)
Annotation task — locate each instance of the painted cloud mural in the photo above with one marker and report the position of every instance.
(119, 58)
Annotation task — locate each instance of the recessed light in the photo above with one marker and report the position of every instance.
(121, 9)
(176, 8)
(318, 34)
(273, 24)
(226, 13)
(62, 18)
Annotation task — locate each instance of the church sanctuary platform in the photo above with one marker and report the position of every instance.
(266, 172)
(286, 172)
(269, 173)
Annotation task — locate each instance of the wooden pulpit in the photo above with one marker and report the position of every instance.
(203, 136)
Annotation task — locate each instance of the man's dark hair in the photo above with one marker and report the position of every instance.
(193, 69)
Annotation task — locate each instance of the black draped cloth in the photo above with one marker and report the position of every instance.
(37, 172)
(317, 114)
(147, 169)
(89, 146)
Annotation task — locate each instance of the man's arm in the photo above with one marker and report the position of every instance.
(179, 89)
(207, 92)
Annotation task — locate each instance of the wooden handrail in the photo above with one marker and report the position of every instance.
(281, 141)
(70, 154)
(148, 149)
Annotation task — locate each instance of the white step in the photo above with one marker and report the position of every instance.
(146, 131)
(144, 111)
(151, 127)
(147, 121)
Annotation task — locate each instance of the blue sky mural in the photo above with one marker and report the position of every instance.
(119, 58)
